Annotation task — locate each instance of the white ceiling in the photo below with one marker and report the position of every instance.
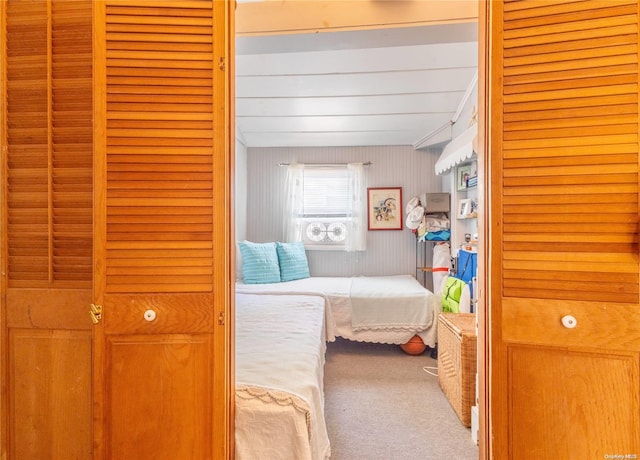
(355, 88)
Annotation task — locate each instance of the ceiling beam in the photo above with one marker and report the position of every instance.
(310, 16)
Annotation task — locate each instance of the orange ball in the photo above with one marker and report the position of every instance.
(415, 346)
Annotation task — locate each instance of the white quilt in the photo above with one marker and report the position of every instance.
(389, 302)
(280, 356)
(338, 294)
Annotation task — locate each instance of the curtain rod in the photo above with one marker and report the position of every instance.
(367, 163)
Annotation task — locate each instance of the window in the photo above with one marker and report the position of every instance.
(325, 206)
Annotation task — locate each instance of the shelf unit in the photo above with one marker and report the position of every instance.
(435, 204)
(464, 223)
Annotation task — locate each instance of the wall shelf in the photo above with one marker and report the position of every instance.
(438, 206)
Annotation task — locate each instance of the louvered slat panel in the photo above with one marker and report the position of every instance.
(159, 147)
(49, 115)
(571, 129)
(27, 143)
(72, 135)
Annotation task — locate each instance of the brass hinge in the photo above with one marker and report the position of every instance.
(95, 313)
(221, 63)
(221, 318)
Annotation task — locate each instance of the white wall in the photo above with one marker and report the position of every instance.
(389, 251)
(466, 113)
(240, 195)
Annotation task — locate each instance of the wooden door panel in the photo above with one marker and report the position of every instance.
(125, 314)
(609, 325)
(55, 309)
(47, 222)
(161, 229)
(566, 404)
(165, 418)
(563, 157)
(154, 200)
(50, 394)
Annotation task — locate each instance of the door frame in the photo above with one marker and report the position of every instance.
(484, 318)
(4, 341)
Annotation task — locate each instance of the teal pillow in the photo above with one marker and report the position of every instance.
(259, 263)
(293, 261)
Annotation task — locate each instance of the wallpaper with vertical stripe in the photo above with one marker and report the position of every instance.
(388, 252)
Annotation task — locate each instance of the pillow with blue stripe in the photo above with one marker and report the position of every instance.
(259, 263)
(293, 261)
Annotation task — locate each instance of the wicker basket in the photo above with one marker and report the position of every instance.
(457, 361)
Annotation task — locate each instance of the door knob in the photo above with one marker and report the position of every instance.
(569, 321)
(149, 315)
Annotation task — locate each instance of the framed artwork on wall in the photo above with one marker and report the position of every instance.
(384, 208)
(465, 173)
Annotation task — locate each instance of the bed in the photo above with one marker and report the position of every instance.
(379, 309)
(280, 356)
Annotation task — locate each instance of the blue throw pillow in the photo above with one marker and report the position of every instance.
(259, 263)
(293, 261)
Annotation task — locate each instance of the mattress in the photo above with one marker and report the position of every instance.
(280, 356)
(342, 293)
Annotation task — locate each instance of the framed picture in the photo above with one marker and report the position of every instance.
(463, 174)
(385, 208)
(464, 208)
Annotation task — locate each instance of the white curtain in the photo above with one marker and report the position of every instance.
(293, 202)
(357, 234)
(294, 206)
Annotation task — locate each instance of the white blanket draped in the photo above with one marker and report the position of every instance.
(280, 356)
(337, 292)
(389, 302)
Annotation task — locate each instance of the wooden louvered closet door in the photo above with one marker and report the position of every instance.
(162, 229)
(563, 168)
(115, 175)
(46, 174)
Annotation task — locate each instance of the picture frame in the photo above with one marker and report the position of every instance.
(463, 173)
(384, 206)
(464, 208)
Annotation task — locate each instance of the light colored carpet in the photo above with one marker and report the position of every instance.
(381, 405)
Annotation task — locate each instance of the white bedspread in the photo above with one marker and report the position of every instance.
(280, 356)
(389, 303)
(337, 292)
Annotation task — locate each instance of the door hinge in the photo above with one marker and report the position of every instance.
(221, 318)
(221, 63)
(95, 313)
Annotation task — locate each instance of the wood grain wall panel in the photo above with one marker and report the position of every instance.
(570, 129)
(159, 147)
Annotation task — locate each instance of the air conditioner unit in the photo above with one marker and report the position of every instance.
(324, 233)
